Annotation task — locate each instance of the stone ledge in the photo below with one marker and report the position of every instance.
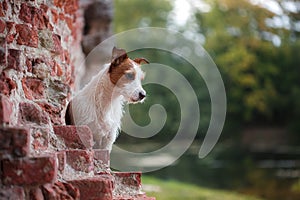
(98, 187)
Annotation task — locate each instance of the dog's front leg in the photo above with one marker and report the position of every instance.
(108, 140)
(98, 135)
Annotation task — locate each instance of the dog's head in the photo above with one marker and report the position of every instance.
(126, 74)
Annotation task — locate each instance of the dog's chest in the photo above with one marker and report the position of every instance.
(111, 121)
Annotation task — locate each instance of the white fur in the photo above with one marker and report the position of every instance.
(100, 105)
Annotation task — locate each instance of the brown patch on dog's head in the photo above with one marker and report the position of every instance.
(141, 61)
(118, 56)
(122, 65)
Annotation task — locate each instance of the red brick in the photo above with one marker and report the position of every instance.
(32, 113)
(2, 51)
(35, 16)
(69, 22)
(29, 171)
(132, 179)
(13, 59)
(101, 161)
(33, 88)
(10, 36)
(75, 137)
(44, 7)
(80, 160)
(26, 35)
(5, 109)
(57, 70)
(36, 194)
(57, 48)
(69, 6)
(54, 111)
(26, 13)
(55, 15)
(14, 142)
(96, 188)
(6, 84)
(67, 57)
(2, 9)
(29, 63)
(40, 138)
(12, 193)
(60, 191)
(2, 26)
(61, 159)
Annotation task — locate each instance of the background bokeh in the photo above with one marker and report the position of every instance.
(256, 46)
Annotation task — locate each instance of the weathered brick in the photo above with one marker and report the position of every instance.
(29, 171)
(2, 9)
(80, 160)
(33, 88)
(2, 51)
(75, 137)
(50, 41)
(98, 187)
(40, 138)
(13, 59)
(69, 6)
(54, 111)
(32, 113)
(14, 142)
(57, 70)
(10, 36)
(57, 48)
(2, 26)
(60, 191)
(61, 159)
(70, 23)
(55, 15)
(36, 194)
(132, 179)
(26, 35)
(67, 57)
(35, 16)
(5, 109)
(6, 84)
(15, 192)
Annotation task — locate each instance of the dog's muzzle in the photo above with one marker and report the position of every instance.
(142, 95)
(138, 96)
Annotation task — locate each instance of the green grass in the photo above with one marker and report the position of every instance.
(174, 190)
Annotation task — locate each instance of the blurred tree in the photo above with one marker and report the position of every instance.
(155, 13)
(135, 13)
(252, 55)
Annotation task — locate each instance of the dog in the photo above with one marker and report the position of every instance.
(99, 104)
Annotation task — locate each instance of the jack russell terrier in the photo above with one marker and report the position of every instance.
(99, 104)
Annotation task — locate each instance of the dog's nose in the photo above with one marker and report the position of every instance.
(142, 95)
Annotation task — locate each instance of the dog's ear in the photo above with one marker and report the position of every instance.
(141, 61)
(118, 56)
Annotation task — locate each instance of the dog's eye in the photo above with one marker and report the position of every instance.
(130, 76)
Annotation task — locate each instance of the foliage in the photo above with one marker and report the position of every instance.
(260, 65)
(136, 13)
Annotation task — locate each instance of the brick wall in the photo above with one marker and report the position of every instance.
(39, 47)
(42, 46)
